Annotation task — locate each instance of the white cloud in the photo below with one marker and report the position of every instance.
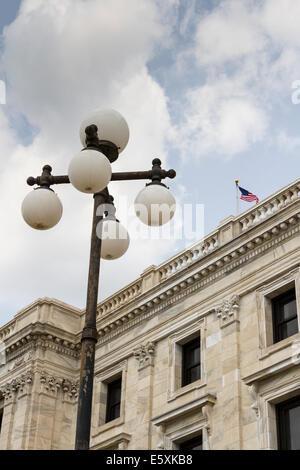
(248, 56)
(280, 19)
(221, 118)
(63, 59)
(286, 142)
(230, 32)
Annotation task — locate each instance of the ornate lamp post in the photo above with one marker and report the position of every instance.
(104, 135)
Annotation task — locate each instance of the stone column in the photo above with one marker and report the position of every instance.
(17, 402)
(46, 411)
(230, 396)
(144, 355)
(67, 414)
(9, 395)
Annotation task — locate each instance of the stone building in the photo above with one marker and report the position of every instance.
(202, 351)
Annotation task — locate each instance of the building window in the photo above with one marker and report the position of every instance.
(288, 424)
(192, 444)
(284, 311)
(113, 403)
(191, 362)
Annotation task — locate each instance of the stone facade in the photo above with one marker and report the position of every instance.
(219, 290)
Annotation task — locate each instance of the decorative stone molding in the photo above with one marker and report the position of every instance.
(120, 298)
(20, 360)
(198, 252)
(70, 390)
(207, 412)
(118, 442)
(228, 311)
(203, 404)
(7, 330)
(50, 384)
(17, 387)
(44, 341)
(217, 269)
(189, 408)
(253, 392)
(144, 355)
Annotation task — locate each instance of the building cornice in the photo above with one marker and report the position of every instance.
(44, 336)
(267, 372)
(179, 412)
(202, 275)
(229, 232)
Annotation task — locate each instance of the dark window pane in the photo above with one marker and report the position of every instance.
(193, 444)
(1, 417)
(113, 400)
(288, 329)
(191, 362)
(285, 321)
(294, 419)
(288, 424)
(289, 309)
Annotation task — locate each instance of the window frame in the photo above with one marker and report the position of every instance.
(283, 430)
(196, 327)
(102, 379)
(187, 366)
(111, 387)
(264, 295)
(277, 304)
(186, 445)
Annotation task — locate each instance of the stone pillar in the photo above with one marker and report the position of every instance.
(46, 411)
(68, 413)
(144, 355)
(230, 396)
(9, 395)
(17, 403)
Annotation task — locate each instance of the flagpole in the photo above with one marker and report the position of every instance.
(237, 196)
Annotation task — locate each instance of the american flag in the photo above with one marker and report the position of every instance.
(247, 196)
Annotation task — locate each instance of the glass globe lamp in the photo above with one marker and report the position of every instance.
(111, 125)
(155, 205)
(42, 209)
(115, 239)
(90, 171)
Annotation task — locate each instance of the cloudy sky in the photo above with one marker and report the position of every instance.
(206, 85)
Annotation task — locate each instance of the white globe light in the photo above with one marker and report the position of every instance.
(155, 205)
(111, 126)
(115, 240)
(90, 171)
(42, 209)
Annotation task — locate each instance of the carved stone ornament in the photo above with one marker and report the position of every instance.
(38, 340)
(254, 395)
(50, 384)
(70, 390)
(17, 386)
(144, 354)
(227, 312)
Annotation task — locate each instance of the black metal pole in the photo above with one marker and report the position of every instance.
(89, 336)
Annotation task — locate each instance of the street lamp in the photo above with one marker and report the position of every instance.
(105, 134)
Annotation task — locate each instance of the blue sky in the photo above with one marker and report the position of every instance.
(204, 85)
